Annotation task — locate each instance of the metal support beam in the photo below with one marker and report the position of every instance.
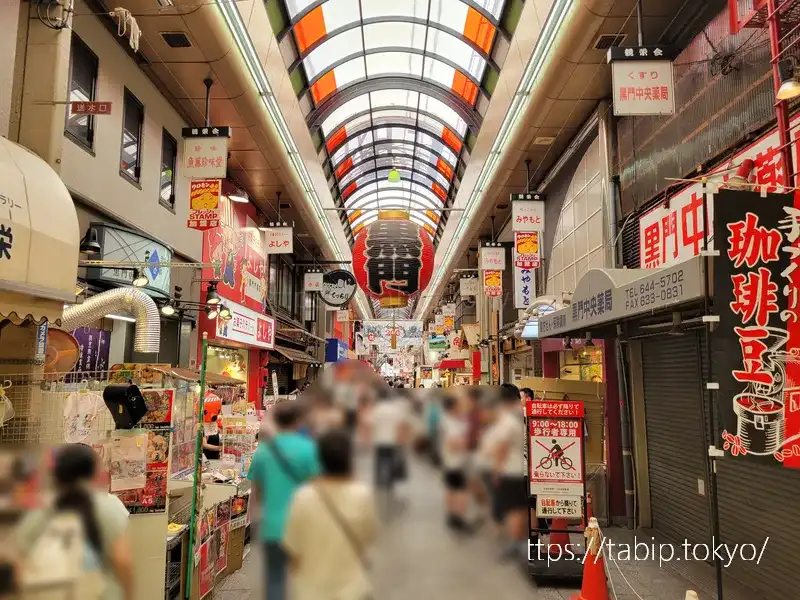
(376, 209)
(317, 263)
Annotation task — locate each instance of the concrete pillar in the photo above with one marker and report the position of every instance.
(9, 29)
(46, 89)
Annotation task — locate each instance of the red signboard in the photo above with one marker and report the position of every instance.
(237, 246)
(90, 108)
(204, 200)
(565, 409)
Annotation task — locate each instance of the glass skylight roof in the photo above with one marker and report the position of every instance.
(394, 85)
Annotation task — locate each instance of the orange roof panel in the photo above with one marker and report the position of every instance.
(439, 190)
(344, 166)
(444, 169)
(465, 88)
(336, 139)
(324, 87)
(310, 29)
(451, 139)
(479, 30)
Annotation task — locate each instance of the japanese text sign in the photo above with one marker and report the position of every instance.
(449, 309)
(338, 287)
(312, 282)
(248, 327)
(204, 195)
(342, 316)
(90, 108)
(756, 349)
(279, 240)
(469, 286)
(555, 456)
(673, 232)
(643, 87)
(493, 283)
(565, 409)
(526, 249)
(524, 287)
(559, 507)
(527, 215)
(205, 157)
(493, 258)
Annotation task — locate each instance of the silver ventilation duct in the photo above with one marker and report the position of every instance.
(127, 299)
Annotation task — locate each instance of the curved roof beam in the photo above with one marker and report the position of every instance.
(437, 202)
(390, 143)
(403, 155)
(467, 113)
(380, 200)
(413, 170)
(393, 19)
(392, 126)
(375, 113)
(471, 3)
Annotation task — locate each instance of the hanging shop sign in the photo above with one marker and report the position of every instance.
(756, 348)
(279, 240)
(118, 244)
(426, 373)
(555, 448)
(393, 259)
(449, 323)
(643, 80)
(205, 152)
(673, 232)
(493, 258)
(608, 295)
(237, 247)
(524, 287)
(90, 108)
(469, 286)
(312, 282)
(204, 197)
(406, 333)
(247, 327)
(342, 316)
(526, 249)
(493, 283)
(94, 345)
(438, 320)
(338, 287)
(527, 212)
(449, 309)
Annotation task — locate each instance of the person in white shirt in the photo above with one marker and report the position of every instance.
(391, 428)
(455, 456)
(509, 468)
(332, 523)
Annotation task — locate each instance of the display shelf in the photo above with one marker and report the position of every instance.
(173, 577)
(174, 538)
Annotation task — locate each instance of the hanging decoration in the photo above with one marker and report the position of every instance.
(393, 259)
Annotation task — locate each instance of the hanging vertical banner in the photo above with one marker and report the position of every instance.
(524, 287)
(469, 286)
(312, 282)
(449, 310)
(205, 152)
(204, 195)
(526, 249)
(643, 80)
(438, 321)
(493, 258)
(493, 283)
(527, 212)
(449, 323)
(756, 348)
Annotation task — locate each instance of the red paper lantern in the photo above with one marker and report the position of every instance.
(393, 259)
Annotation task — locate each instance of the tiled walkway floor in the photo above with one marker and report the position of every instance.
(416, 558)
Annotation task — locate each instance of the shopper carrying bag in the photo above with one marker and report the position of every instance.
(332, 522)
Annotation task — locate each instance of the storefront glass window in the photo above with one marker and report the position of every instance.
(228, 361)
(582, 365)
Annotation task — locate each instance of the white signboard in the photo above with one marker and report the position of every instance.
(556, 463)
(559, 507)
(470, 286)
(247, 326)
(524, 287)
(605, 295)
(205, 157)
(279, 240)
(312, 282)
(438, 320)
(493, 259)
(449, 310)
(643, 87)
(342, 316)
(527, 215)
(379, 333)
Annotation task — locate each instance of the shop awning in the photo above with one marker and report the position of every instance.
(604, 296)
(39, 238)
(296, 356)
(192, 375)
(453, 364)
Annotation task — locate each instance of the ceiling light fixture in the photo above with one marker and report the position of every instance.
(139, 278)
(224, 312)
(790, 86)
(394, 176)
(169, 308)
(212, 297)
(89, 243)
(212, 312)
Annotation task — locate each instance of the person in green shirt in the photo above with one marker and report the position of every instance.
(281, 464)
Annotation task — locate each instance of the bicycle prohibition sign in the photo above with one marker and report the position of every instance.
(556, 457)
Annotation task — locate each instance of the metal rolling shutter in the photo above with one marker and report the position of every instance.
(675, 440)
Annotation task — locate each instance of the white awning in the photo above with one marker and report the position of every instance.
(604, 296)
(39, 238)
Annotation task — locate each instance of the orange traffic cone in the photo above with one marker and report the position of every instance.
(556, 538)
(594, 586)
